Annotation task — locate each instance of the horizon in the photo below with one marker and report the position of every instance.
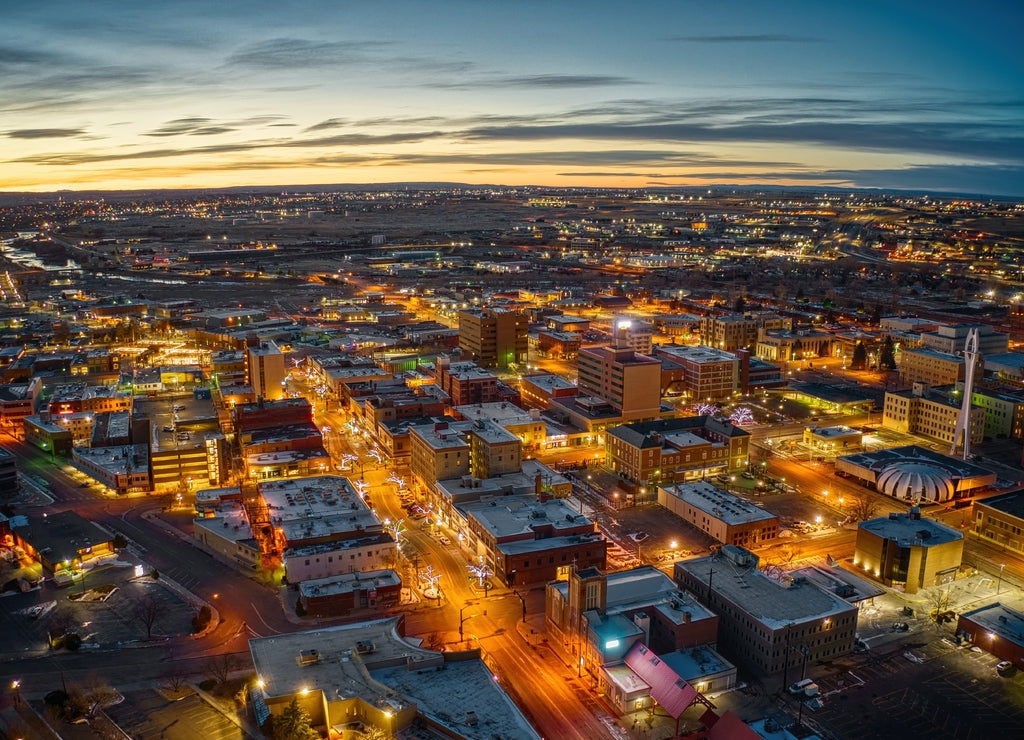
(186, 96)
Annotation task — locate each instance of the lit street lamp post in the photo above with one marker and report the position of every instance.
(999, 583)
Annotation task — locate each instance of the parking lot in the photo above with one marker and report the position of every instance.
(920, 689)
(109, 609)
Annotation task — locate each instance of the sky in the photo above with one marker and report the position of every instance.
(196, 94)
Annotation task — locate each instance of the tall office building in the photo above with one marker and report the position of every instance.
(630, 382)
(495, 337)
(265, 368)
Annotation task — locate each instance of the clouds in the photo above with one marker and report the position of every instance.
(299, 54)
(653, 92)
(753, 38)
(44, 133)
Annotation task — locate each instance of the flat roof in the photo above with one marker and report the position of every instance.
(229, 522)
(1001, 620)
(548, 382)
(349, 582)
(722, 505)
(503, 413)
(1011, 503)
(508, 516)
(834, 432)
(319, 506)
(700, 354)
(773, 603)
(917, 530)
(878, 460)
(834, 394)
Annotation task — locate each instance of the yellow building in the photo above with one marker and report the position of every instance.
(929, 412)
(930, 366)
(906, 552)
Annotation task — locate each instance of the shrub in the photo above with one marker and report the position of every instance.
(119, 542)
(207, 684)
(200, 620)
(72, 641)
(300, 610)
(155, 575)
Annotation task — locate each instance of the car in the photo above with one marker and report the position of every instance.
(444, 540)
(804, 687)
(168, 429)
(747, 474)
(723, 478)
(1004, 668)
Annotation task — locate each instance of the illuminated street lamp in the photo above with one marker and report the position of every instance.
(999, 583)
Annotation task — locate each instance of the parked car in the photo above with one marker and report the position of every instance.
(1004, 668)
(747, 474)
(444, 540)
(805, 687)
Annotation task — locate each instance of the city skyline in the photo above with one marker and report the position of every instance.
(187, 95)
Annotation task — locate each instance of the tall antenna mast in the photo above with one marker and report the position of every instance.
(963, 421)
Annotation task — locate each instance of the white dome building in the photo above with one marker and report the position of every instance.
(913, 480)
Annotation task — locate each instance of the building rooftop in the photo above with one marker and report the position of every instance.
(505, 414)
(549, 382)
(773, 603)
(878, 460)
(349, 582)
(1011, 503)
(1001, 620)
(834, 394)
(320, 506)
(720, 504)
(911, 529)
(699, 354)
(492, 433)
(511, 516)
(229, 522)
(372, 661)
(935, 354)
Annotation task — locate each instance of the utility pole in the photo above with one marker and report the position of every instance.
(523, 601)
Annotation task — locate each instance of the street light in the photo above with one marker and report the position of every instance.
(463, 619)
(999, 583)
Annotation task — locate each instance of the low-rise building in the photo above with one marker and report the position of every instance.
(769, 626)
(603, 617)
(225, 532)
(1000, 520)
(341, 595)
(729, 519)
(530, 539)
(931, 367)
(833, 439)
(907, 552)
(931, 412)
(362, 675)
(537, 391)
(676, 450)
(122, 469)
(996, 628)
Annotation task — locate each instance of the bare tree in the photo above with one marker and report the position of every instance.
(94, 693)
(148, 610)
(221, 666)
(863, 506)
(174, 679)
